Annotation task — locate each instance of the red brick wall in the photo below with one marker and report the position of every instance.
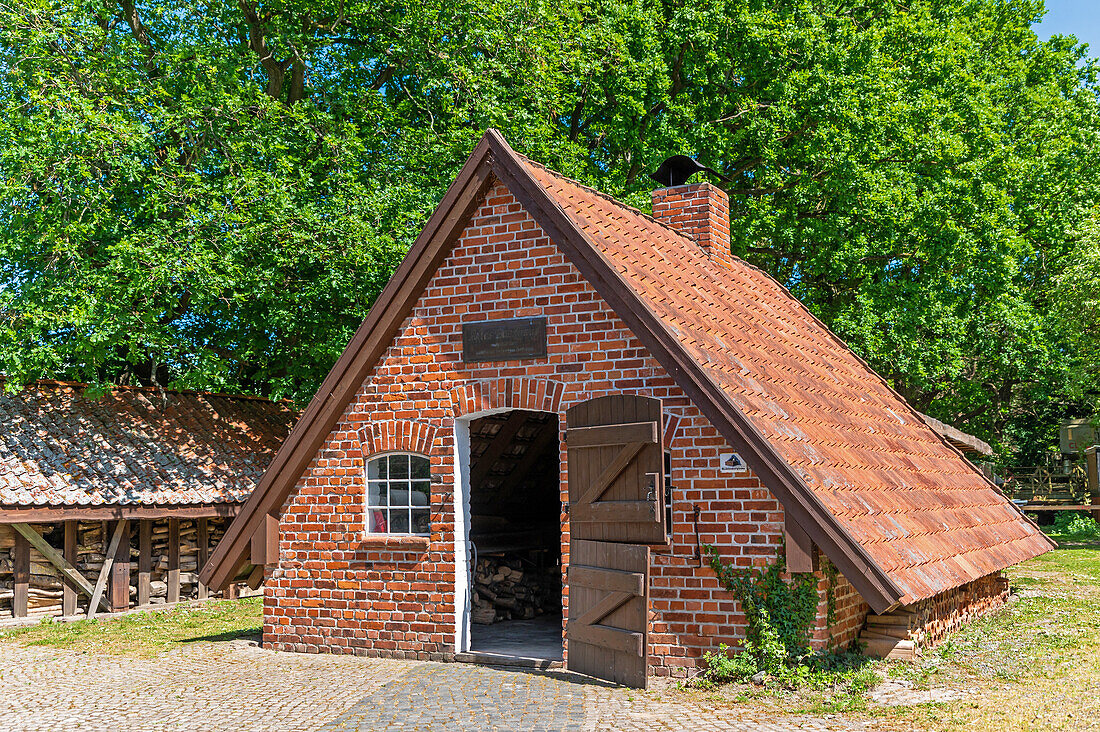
(337, 590)
(849, 612)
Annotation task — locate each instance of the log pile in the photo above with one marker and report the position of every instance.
(93, 538)
(512, 588)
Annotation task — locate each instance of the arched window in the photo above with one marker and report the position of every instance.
(399, 494)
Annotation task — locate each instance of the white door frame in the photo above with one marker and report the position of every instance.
(462, 545)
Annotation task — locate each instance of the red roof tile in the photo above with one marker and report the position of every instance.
(133, 446)
(922, 512)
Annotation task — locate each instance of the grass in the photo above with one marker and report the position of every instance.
(147, 634)
(1035, 665)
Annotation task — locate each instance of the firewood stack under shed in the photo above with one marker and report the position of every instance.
(515, 587)
(45, 590)
(147, 475)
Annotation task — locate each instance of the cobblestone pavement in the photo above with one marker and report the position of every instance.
(235, 687)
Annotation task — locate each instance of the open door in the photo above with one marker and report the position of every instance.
(616, 510)
(608, 603)
(616, 470)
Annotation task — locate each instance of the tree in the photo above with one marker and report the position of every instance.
(213, 195)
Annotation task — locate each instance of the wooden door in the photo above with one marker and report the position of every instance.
(616, 470)
(608, 599)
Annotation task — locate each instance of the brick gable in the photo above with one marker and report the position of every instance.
(335, 589)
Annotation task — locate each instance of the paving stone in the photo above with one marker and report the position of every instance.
(235, 687)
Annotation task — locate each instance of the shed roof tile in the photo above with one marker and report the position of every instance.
(133, 446)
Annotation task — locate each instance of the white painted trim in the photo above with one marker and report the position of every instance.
(462, 544)
(463, 600)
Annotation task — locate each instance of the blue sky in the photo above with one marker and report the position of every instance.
(1079, 18)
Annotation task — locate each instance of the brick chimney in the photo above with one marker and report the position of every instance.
(700, 210)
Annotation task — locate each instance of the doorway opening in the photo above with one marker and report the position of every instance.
(514, 544)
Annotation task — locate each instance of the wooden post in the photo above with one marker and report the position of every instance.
(230, 591)
(1093, 478)
(21, 571)
(120, 572)
(145, 561)
(173, 560)
(204, 540)
(122, 527)
(69, 593)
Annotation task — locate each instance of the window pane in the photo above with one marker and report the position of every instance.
(376, 521)
(376, 469)
(377, 493)
(420, 492)
(421, 521)
(421, 468)
(399, 521)
(399, 467)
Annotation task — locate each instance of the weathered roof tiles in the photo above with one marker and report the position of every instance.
(924, 513)
(133, 446)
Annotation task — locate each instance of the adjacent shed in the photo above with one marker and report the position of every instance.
(121, 495)
(555, 404)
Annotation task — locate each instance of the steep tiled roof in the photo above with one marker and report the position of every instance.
(134, 446)
(893, 505)
(923, 513)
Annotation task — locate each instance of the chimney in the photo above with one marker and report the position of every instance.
(700, 210)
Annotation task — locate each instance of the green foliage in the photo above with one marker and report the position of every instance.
(721, 667)
(779, 615)
(212, 195)
(1075, 525)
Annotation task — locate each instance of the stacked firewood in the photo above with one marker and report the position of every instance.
(509, 588)
(93, 539)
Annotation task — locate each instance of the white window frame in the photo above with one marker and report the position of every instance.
(402, 487)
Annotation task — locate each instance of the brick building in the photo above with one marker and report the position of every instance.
(555, 404)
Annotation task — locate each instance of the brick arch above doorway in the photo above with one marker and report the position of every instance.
(396, 435)
(533, 394)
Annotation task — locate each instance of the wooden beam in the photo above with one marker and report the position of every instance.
(120, 572)
(265, 542)
(801, 557)
(108, 562)
(230, 591)
(63, 565)
(204, 553)
(535, 452)
(68, 597)
(1092, 470)
(256, 578)
(145, 561)
(501, 441)
(46, 515)
(173, 576)
(21, 574)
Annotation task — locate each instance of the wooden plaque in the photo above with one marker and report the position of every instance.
(504, 340)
